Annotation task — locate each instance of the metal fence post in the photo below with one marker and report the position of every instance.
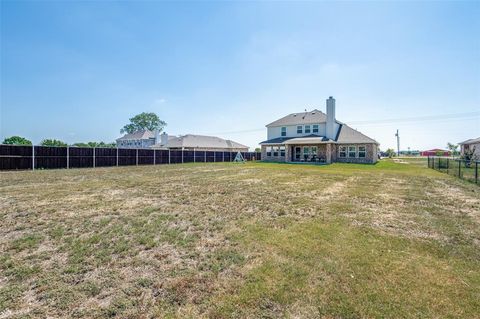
(117, 156)
(214, 156)
(459, 169)
(33, 157)
(182, 155)
(136, 156)
(194, 159)
(168, 156)
(68, 157)
(94, 157)
(223, 156)
(154, 158)
(204, 156)
(448, 164)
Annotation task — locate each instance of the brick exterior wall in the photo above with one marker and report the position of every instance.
(371, 156)
(329, 152)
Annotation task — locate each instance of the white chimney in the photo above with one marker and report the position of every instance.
(331, 118)
(157, 136)
(164, 139)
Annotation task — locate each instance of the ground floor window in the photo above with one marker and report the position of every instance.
(343, 151)
(362, 151)
(269, 151)
(352, 151)
(275, 151)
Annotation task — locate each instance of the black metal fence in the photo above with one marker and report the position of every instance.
(16, 157)
(463, 169)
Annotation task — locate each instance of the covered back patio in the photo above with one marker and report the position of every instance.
(309, 150)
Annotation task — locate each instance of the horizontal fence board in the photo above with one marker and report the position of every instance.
(19, 157)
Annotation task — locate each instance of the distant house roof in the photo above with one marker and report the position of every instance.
(200, 141)
(309, 117)
(437, 150)
(138, 135)
(471, 141)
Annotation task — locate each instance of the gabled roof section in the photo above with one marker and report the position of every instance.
(309, 117)
(138, 135)
(471, 141)
(281, 140)
(346, 134)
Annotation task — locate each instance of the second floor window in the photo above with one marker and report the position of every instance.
(299, 129)
(315, 128)
(307, 129)
(284, 131)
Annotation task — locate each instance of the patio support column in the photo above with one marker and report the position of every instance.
(328, 154)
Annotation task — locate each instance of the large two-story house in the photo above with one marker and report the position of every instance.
(317, 137)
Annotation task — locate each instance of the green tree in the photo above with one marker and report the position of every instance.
(144, 121)
(95, 144)
(52, 142)
(452, 148)
(258, 150)
(390, 152)
(16, 140)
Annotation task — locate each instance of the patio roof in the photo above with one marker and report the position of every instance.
(309, 140)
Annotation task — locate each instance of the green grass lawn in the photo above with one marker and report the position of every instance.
(218, 240)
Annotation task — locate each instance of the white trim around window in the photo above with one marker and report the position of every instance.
(352, 151)
(342, 151)
(362, 151)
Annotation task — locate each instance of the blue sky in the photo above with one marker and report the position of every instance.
(77, 71)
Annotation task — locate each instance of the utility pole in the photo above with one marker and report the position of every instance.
(398, 143)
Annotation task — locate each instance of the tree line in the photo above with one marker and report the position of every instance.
(142, 121)
(18, 140)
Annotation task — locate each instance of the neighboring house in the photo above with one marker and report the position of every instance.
(314, 136)
(436, 152)
(199, 142)
(138, 139)
(469, 145)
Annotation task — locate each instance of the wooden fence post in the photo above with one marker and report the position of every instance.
(459, 169)
(476, 172)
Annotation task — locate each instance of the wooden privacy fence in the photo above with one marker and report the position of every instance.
(14, 157)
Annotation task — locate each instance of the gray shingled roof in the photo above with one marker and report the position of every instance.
(200, 141)
(309, 117)
(471, 141)
(138, 135)
(347, 134)
(281, 140)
